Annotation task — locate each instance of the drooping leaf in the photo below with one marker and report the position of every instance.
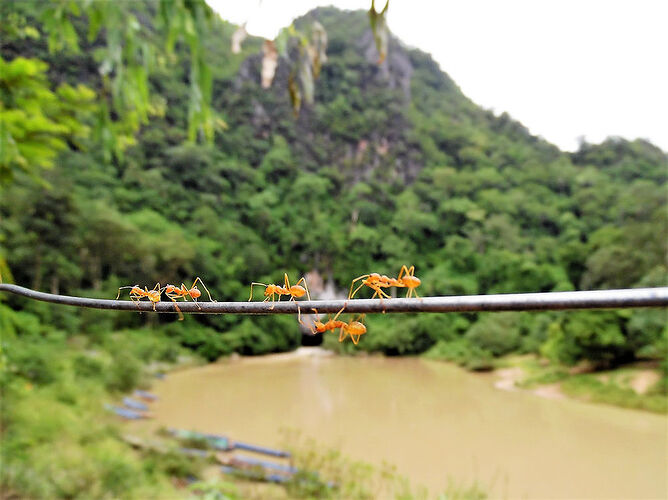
(381, 33)
(317, 49)
(306, 79)
(295, 94)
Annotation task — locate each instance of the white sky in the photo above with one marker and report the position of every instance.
(564, 68)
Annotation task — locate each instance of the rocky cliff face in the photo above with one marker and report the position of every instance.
(369, 121)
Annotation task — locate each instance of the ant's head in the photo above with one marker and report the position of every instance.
(319, 326)
(136, 290)
(170, 288)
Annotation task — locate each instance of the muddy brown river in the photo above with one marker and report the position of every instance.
(434, 421)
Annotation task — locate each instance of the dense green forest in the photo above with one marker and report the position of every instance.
(392, 164)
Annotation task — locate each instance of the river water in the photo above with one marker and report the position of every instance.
(434, 421)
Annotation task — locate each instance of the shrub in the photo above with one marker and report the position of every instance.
(498, 334)
(124, 373)
(463, 353)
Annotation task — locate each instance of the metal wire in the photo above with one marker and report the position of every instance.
(552, 301)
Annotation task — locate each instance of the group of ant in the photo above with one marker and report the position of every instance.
(355, 327)
(173, 292)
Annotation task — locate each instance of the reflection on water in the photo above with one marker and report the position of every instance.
(431, 419)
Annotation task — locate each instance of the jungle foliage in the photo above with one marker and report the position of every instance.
(390, 165)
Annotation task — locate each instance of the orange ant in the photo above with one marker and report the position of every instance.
(332, 324)
(374, 281)
(136, 293)
(354, 328)
(174, 292)
(294, 291)
(407, 280)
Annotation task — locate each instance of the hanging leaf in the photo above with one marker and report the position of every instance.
(269, 63)
(381, 33)
(295, 94)
(317, 50)
(306, 79)
(238, 37)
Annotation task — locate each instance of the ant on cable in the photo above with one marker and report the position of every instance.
(174, 292)
(374, 281)
(354, 328)
(136, 293)
(294, 291)
(407, 280)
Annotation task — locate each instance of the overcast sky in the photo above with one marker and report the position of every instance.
(564, 68)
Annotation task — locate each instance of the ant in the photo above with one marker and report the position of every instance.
(294, 291)
(136, 293)
(174, 292)
(332, 324)
(354, 328)
(374, 281)
(408, 280)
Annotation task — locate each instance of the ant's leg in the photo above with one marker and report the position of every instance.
(351, 293)
(205, 288)
(136, 301)
(355, 340)
(122, 287)
(286, 281)
(339, 313)
(176, 306)
(401, 272)
(342, 334)
(251, 289)
(381, 293)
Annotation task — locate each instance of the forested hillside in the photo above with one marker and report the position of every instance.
(391, 165)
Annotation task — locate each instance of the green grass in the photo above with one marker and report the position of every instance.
(608, 387)
(591, 388)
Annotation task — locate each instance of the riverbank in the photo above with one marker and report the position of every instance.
(637, 386)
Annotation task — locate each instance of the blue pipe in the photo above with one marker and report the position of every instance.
(125, 413)
(265, 464)
(134, 404)
(146, 395)
(260, 449)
